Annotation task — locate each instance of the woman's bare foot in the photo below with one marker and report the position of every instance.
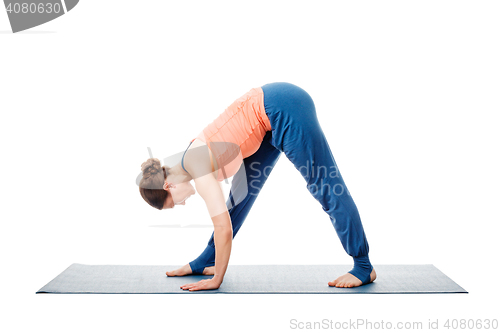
(186, 270)
(209, 270)
(350, 281)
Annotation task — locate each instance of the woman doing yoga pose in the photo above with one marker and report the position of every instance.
(245, 141)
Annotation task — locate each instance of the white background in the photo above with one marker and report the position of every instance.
(407, 94)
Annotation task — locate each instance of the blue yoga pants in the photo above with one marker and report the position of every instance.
(297, 133)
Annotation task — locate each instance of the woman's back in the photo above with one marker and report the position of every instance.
(236, 133)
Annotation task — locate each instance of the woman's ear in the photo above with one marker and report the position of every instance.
(167, 186)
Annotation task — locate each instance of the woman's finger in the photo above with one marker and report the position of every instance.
(202, 285)
(188, 285)
(196, 286)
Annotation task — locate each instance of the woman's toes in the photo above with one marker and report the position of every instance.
(176, 272)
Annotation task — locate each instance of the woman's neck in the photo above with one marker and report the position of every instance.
(176, 175)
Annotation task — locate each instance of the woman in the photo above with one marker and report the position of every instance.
(245, 141)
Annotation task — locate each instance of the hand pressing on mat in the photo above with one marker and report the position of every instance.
(186, 270)
(203, 285)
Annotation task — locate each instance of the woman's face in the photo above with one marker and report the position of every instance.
(179, 194)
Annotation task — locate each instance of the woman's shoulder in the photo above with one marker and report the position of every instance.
(197, 143)
(198, 159)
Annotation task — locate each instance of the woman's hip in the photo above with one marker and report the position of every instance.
(286, 96)
(290, 110)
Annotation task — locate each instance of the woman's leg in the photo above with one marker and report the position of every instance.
(297, 132)
(252, 177)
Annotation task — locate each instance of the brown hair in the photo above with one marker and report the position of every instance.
(151, 185)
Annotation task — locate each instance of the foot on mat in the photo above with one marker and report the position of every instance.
(186, 270)
(350, 281)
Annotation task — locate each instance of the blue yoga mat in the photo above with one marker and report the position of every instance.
(248, 279)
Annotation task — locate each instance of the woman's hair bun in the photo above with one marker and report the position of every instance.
(151, 167)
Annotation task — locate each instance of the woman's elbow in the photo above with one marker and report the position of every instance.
(224, 232)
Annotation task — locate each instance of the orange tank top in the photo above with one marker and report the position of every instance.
(236, 133)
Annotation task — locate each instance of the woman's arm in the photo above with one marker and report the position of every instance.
(209, 189)
(197, 164)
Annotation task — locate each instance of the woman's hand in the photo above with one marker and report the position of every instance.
(202, 285)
